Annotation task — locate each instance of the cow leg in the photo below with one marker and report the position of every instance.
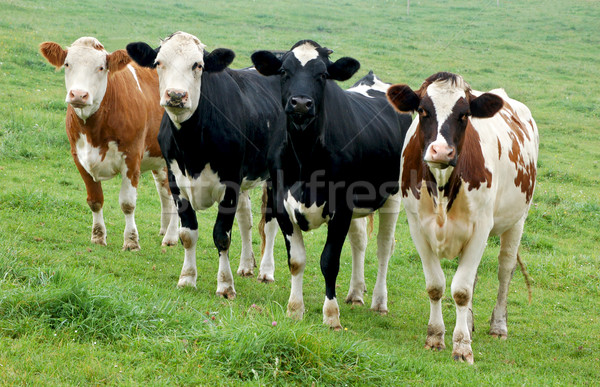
(222, 239)
(244, 218)
(296, 262)
(358, 241)
(462, 292)
(188, 234)
(507, 261)
(95, 200)
(127, 199)
(268, 226)
(330, 266)
(168, 214)
(388, 215)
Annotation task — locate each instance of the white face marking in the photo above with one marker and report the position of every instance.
(313, 214)
(202, 191)
(176, 60)
(305, 53)
(86, 73)
(100, 167)
(444, 97)
(363, 89)
(132, 69)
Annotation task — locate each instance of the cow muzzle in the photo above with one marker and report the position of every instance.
(176, 98)
(441, 155)
(78, 98)
(301, 111)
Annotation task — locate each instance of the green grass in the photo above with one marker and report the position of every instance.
(73, 313)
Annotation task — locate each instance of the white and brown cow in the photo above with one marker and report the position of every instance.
(468, 172)
(112, 124)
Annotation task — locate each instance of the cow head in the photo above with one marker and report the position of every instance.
(180, 61)
(304, 71)
(86, 65)
(444, 104)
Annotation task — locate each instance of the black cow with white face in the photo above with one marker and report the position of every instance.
(214, 135)
(339, 161)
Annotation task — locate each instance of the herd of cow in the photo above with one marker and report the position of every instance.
(464, 167)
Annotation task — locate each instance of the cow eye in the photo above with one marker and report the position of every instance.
(157, 63)
(324, 75)
(66, 64)
(101, 68)
(422, 112)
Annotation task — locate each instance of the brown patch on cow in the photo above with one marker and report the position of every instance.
(54, 53)
(94, 206)
(526, 172)
(435, 294)
(127, 208)
(117, 61)
(461, 297)
(414, 169)
(97, 231)
(186, 241)
(294, 267)
(499, 148)
(526, 180)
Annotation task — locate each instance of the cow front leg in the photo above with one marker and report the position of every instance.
(95, 200)
(127, 200)
(222, 240)
(358, 242)
(388, 215)
(462, 293)
(296, 262)
(168, 213)
(507, 261)
(188, 234)
(244, 218)
(268, 231)
(330, 266)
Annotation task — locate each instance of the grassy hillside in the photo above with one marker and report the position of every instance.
(73, 313)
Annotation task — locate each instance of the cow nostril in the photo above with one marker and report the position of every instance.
(308, 103)
(294, 102)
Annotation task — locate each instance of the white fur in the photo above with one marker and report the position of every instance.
(244, 218)
(130, 67)
(295, 308)
(267, 263)
(305, 53)
(177, 56)
(313, 214)
(189, 273)
(100, 167)
(203, 191)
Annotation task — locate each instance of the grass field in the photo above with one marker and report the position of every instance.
(73, 313)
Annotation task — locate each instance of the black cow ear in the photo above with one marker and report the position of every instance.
(486, 105)
(142, 54)
(266, 62)
(218, 60)
(343, 68)
(403, 98)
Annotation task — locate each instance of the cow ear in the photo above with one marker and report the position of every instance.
(486, 105)
(403, 99)
(343, 68)
(54, 53)
(117, 60)
(218, 60)
(266, 62)
(142, 54)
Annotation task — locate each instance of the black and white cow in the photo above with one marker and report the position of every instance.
(339, 160)
(214, 136)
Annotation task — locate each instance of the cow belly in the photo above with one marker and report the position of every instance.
(448, 239)
(203, 190)
(308, 218)
(100, 166)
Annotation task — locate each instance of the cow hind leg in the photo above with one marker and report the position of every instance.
(358, 241)
(168, 213)
(244, 218)
(127, 200)
(507, 261)
(388, 215)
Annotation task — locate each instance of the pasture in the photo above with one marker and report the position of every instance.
(74, 313)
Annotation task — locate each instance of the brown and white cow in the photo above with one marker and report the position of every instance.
(112, 124)
(468, 172)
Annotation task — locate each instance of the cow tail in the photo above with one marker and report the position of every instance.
(526, 275)
(370, 224)
(261, 224)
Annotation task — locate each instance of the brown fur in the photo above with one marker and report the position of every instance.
(54, 53)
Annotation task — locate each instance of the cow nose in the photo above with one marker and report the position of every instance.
(176, 98)
(300, 104)
(441, 153)
(78, 97)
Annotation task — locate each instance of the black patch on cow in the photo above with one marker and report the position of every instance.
(486, 105)
(218, 59)
(301, 221)
(143, 54)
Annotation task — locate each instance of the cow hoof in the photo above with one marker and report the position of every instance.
(295, 310)
(169, 242)
(99, 240)
(131, 246)
(265, 278)
(381, 308)
(435, 342)
(245, 272)
(463, 357)
(501, 336)
(355, 298)
(186, 281)
(228, 293)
